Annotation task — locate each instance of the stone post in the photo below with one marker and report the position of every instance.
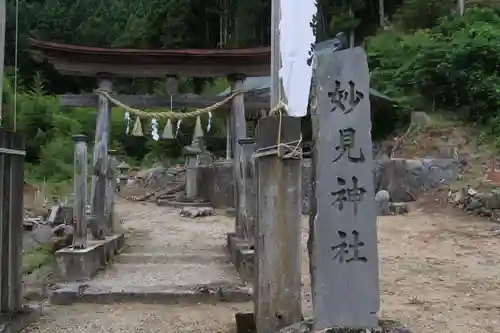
(100, 164)
(246, 210)
(80, 192)
(345, 281)
(191, 166)
(110, 190)
(277, 289)
(229, 135)
(240, 132)
(11, 223)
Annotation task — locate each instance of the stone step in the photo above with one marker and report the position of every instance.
(119, 275)
(160, 258)
(139, 246)
(96, 293)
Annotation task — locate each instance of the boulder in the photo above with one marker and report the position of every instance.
(382, 200)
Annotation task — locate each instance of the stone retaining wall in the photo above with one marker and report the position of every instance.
(484, 203)
(402, 178)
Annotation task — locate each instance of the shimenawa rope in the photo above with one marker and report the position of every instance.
(179, 115)
(168, 114)
(280, 108)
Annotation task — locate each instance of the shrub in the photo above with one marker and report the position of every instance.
(455, 65)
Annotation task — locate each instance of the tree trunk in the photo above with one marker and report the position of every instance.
(381, 13)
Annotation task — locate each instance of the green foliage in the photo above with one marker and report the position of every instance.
(427, 59)
(36, 257)
(453, 66)
(48, 127)
(422, 14)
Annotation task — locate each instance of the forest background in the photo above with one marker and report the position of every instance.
(422, 54)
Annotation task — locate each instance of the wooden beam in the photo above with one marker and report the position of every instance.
(153, 101)
(94, 68)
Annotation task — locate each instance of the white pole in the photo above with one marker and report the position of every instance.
(275, 52)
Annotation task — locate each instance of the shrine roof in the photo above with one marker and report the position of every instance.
(92, 61)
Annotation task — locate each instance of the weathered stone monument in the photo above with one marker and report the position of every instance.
(191, 153)
(345, 274)
(247, 209)
(80, 192)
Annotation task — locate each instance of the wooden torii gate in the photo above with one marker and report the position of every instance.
(108, 64)
(277, 183)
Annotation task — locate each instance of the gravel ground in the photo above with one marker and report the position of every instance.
(439, 272)
(160, 231)
(138, 318)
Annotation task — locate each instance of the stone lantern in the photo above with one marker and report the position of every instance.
(191, 153)
(123, 169)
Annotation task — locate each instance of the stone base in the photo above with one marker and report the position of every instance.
(206, 293)
(245, 264)
(83, 264)
(234, 245)
(182, 204)
(230, 244)
(398, 208)
(242, 256)
(17, 322)
(385, 326)
(230, 212)
(245, 322)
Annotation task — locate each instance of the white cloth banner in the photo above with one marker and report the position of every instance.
(296, 37)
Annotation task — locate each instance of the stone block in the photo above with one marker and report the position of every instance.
(245, 264)
(230, 212)
(236, 244)
(229, 240)
(245, 322)
(216, 183)
(80, 264)
(120, 242)
(104, 294)
(398, 208)
(112, 246)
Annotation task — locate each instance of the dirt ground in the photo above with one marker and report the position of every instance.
(439, 268)
(440, 272)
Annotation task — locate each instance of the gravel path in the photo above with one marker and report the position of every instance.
(160, 239)
(139, 318)
(439, 273)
